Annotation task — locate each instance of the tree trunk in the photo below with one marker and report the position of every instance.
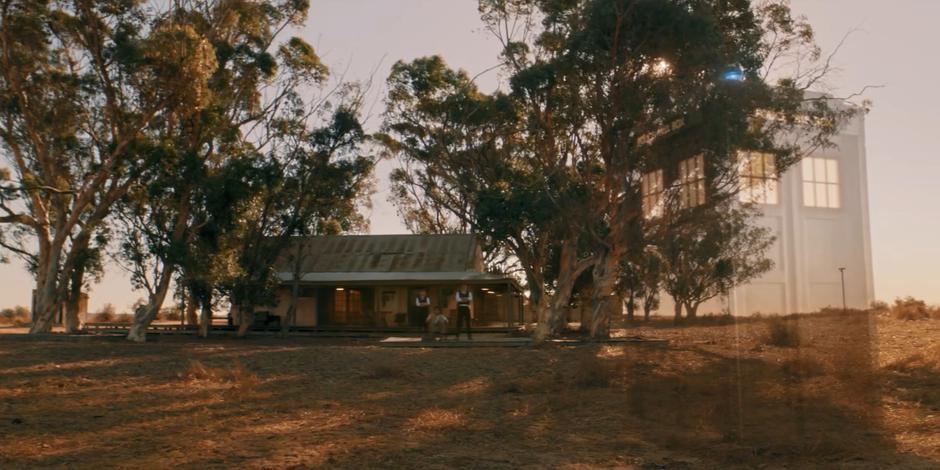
(291, 316)
(205, 318)
(72, 322)
(646, 313)
(548, 320)
(74, 273)
(631, 307)
(552, 310)
(246, 315)
(553, 313)
(47, 300)
(146, 313)
(584, 315)
(191, 318)
(678, 310)
(47, 304)
(605, 280)
(691, 309)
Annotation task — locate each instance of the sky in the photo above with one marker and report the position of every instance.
(892, 45)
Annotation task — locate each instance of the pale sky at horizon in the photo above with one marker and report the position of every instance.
(892, 47)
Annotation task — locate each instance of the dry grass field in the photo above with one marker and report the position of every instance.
(845, 391)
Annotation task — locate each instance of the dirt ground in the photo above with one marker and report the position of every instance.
(860, 391)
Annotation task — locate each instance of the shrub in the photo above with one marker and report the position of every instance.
(140, 302)
(880, 306)
(910, 308)
(171, 314)
(107, 313)
(783, 333)
(16, 316)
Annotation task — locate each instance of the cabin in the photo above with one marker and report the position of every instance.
(371, 282)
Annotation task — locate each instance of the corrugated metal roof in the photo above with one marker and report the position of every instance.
(384, 254)
(342, 277)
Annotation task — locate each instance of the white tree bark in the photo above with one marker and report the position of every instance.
(553, 309)
(605, 279)
(145, 314)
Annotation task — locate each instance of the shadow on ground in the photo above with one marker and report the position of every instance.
(719, 399)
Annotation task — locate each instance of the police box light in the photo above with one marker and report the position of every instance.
(734, 75)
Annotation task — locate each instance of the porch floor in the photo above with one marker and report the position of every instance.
(478, 341)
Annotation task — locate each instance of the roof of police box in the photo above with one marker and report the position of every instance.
(383, 254)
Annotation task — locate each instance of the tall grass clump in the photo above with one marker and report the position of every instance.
(236, 377)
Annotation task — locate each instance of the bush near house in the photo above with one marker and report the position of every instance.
(16, 316)
(108, 314)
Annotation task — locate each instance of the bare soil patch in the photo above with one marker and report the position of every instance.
(856, 391)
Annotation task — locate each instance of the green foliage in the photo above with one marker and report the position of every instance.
(711, 250)
(467, 168)
(640, 273)
(108, 102)
(249, 163)
(599, 93)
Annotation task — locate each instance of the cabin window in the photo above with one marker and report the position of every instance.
(652, 192)
(821, 183)
(692, 182)
(758, 177)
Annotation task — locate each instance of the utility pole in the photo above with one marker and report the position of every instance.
(842, 274)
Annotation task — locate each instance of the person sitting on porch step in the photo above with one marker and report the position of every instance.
(437, 323)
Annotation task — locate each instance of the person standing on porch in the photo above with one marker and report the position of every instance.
(464, 300)
(423, 306)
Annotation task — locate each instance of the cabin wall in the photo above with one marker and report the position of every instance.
(393, 305)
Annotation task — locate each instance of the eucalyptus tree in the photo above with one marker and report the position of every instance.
(718, 248)
(640, 274)
(476, 162)
(209, 157)
(644, 85)
(315, 184)
(84, 86)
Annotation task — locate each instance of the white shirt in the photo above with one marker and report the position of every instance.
(468, 299)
